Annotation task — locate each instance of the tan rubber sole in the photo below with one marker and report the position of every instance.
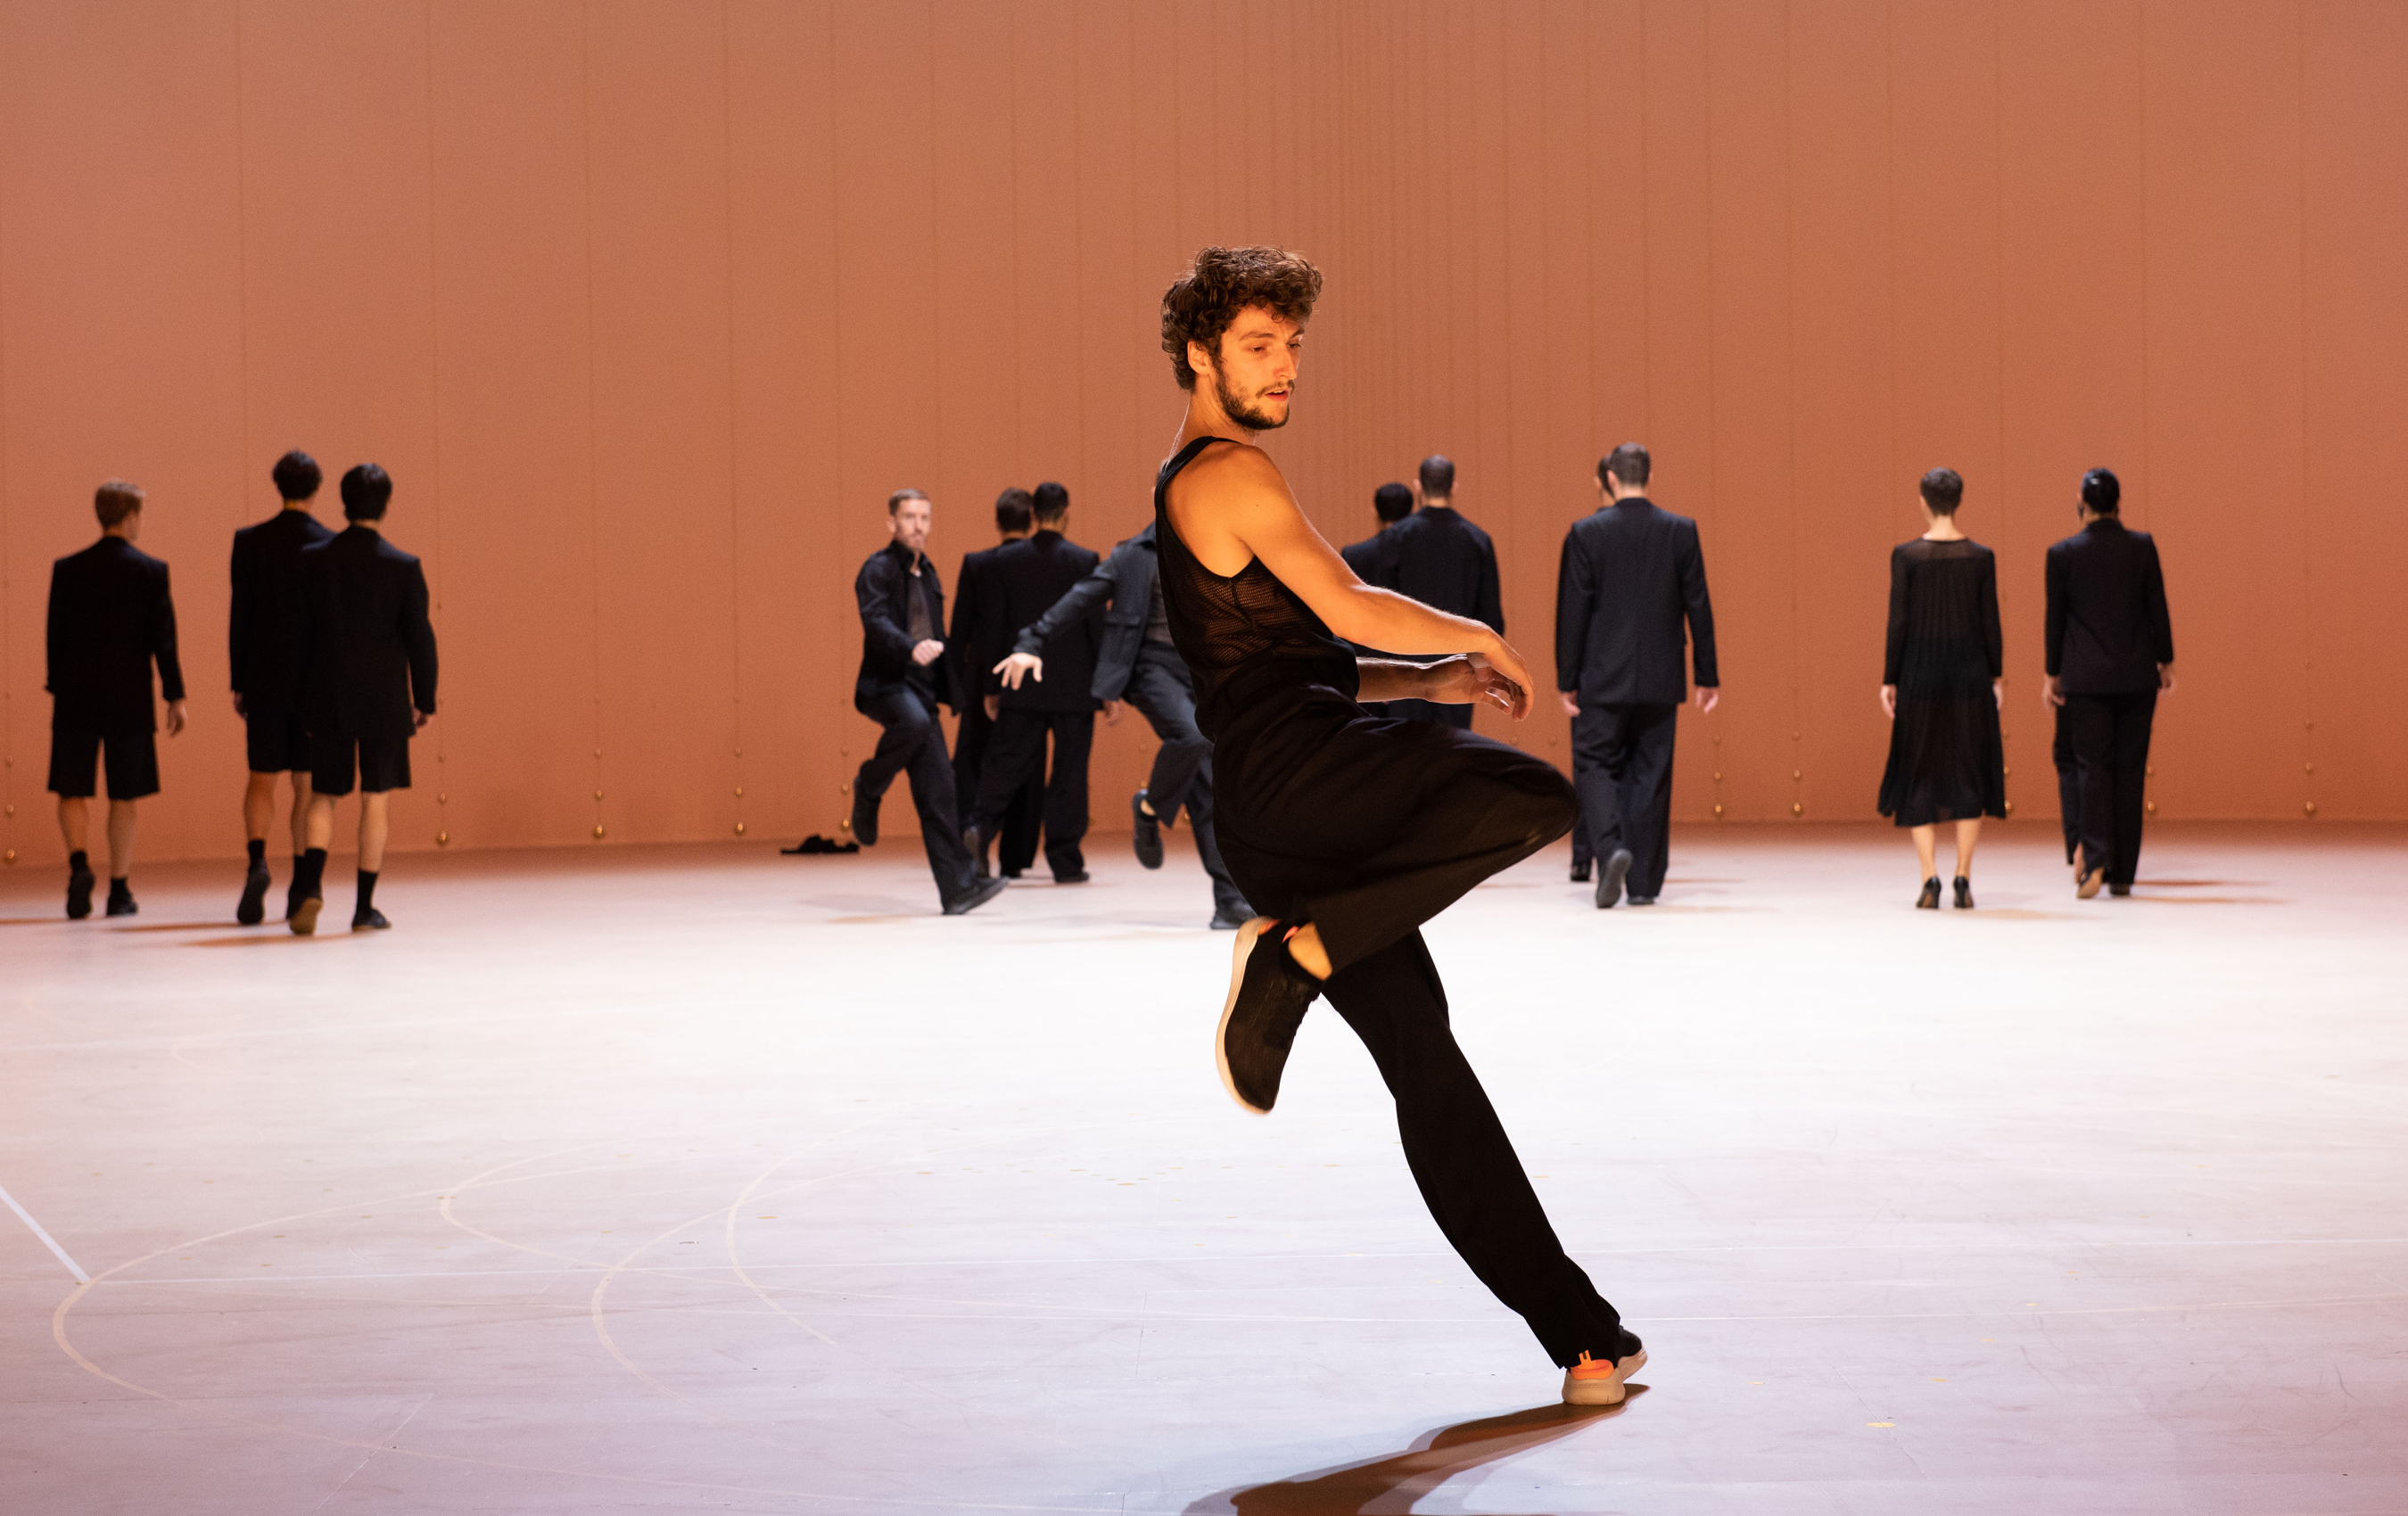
(2089, 884)
(1604, 1391)
(304, 921)
(1248, 934)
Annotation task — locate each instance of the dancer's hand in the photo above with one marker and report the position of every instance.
(926, 651)
(1570, 701)
(1111, 713)
(2050, 696)
(175, 717)
(1490, 679)
(1017, 666)
(1890, 700)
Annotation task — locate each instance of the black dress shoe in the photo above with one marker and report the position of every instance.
(1146, 834)
(1609, 880)
(1580, 873)
(1643, 899)
(1268, 995)
(978, 893)
(1081, 877)
(978, 843)
(1964, 893)
(1929, 898)
(2119, 889)
(80, 885)
(370, 919)
(865, 817)
(254, 907)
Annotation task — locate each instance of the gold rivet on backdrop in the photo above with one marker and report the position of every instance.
(1798, 807)
(597, 834)
(844, 787)
(2011, 808)
(442, 840)
(739, 828)
(1718, 813)
(2006, 773)
(2311, 807)
(597, 795)
(2151, 807)
(12, 810)
(739, 792)
(2311, 768)
(12, 855)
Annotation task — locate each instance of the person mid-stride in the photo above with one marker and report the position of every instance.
(1350, 829)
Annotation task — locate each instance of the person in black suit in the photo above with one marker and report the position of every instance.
(904, 675)
(978, 638)
(1032, 576)
(1631, 573)
(2111, 650)
(367, 685)
(110, 617)
(1372, 561)
(1139, 663)
(1442, 560)
(264, 656)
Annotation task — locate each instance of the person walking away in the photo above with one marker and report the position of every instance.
(264, 658)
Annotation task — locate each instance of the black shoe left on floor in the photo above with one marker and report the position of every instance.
(252, 909)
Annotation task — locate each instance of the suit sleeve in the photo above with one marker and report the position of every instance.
(54, 634)
(162, 641)
(1894, 655)
(887, 642)
(2055, 623)
(1993, 641)
(1492, 598)
(957, 639)
(1575, 594)
(238, 622)
(1085, 601)
(418, 637)
(1701, 611)
(2161, 627)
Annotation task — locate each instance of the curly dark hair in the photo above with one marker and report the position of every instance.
(1201, 303)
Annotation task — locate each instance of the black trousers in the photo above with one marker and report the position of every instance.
(2111, 760)
(913, 744)
(1367, 828)
(1015, 755)
(2068, 783)
(1621, 765)
(1163, 693)
(1016, 845)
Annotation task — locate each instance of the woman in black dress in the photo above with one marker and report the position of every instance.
(1941, 688)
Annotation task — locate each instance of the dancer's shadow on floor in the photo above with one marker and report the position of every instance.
(1394, 1483)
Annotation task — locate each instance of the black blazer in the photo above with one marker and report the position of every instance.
(1030, 576)
(979, 637)
(1373, 559)
(887, 666)
(264, 624)
(1442, 559)
(1121, 590)
(2108, 629)
(369, 650)
(1631, 572)
(111, 615)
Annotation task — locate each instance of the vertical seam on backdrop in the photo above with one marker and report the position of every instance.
(592, 422)
(836, 348)
(735, 514)
(2307, 562)
(1789, 373)
(7, 582)
(1011, 148)
(1999, 291)
(2140, 94)
(1713, 397)
(435, 395)
(1646, 239)
(1078, 240)
(241, 267)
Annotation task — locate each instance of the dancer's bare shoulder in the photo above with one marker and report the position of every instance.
(1229, 503)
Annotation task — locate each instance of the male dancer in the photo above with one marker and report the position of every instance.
(368, 680)
(1438, 558)
(110, 617)
(980, 636)
(2111, 650)
(1631, 574)
(903, 675)
(1139, 663)
(1353, 830)
(264, 653)
(1031, 575)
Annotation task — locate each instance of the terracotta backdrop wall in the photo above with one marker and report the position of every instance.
(647, 303)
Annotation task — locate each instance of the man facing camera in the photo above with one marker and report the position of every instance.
(110, 617)
(367, 686)
(264, 656)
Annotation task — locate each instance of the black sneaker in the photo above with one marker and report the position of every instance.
(80, 885)
(253, 908)
(865, 817)
(978, 893)
(121, 899)
(978, 843)
(1580, 873)
(1268, 999)
(370, 919)
(1609, 880)
(1147, 836)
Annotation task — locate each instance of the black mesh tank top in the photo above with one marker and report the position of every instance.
(1242, 634)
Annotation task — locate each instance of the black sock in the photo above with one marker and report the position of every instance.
(258, 848)
(78, 863)
(367, 892)
(311, 875)
(120, 890)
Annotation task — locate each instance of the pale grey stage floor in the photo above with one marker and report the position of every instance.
(706, 1179)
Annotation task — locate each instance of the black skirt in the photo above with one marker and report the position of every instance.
(1946, 762)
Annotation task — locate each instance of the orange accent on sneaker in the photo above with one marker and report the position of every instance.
(1592, 1368)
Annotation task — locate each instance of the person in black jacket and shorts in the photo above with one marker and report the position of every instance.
(264, 656)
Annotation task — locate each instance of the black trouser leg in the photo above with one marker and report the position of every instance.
(1583, 852)
(1647, 796)
(914, 745)
(1227, 899)
(2128, 804)
(970, 740)
(2068, 783)
(1600, 760)
(1163, 693)
(1461, 1156)
(1066, 791)
(1026, 813)
(2092, 720)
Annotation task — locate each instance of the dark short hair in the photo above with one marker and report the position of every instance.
(366, 488)
(1201, 303)
(116, 500)
(296, 476)
(1438, 475)
(1051, 502)
(894, 501)
(2102, 490)
(1394, 501)
(1943, 488)
(1627, 462)
(1011, 511)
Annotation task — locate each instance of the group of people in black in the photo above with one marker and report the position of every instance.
(332, 658)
